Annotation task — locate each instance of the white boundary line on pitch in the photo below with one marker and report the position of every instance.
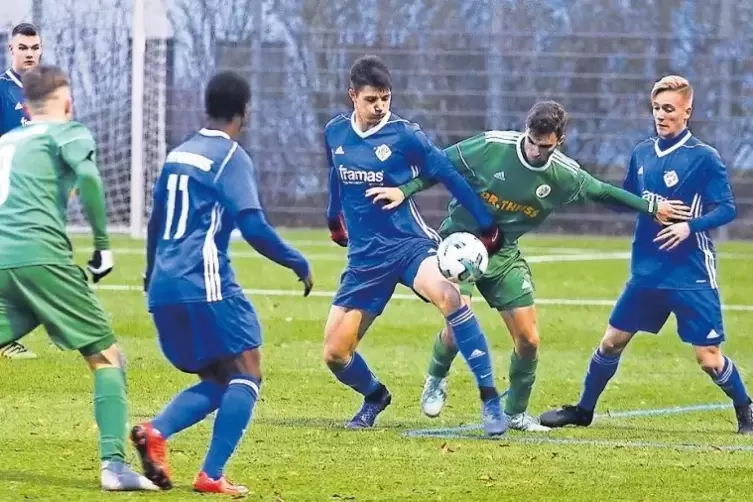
(559, 256)
(576, 302)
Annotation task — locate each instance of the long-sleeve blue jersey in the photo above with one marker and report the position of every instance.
(693, 172)
(389, 154)
(12, 100)
(204, 184)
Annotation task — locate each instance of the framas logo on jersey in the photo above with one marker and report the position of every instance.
(357, 176)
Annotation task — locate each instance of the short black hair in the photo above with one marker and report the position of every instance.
(227, 96)
(370, 70)
(547, 117)
(25, 29)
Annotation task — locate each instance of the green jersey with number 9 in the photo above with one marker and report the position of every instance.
(37, 176)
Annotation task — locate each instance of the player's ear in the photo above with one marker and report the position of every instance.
(352, 94)
(561, 140)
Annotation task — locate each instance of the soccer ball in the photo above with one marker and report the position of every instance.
(462, 258)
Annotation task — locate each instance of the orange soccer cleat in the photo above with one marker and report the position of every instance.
(203, 483)
(152, 448)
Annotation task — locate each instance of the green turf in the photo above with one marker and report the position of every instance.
(296, 448)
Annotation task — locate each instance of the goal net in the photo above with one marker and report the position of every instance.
(116, 54)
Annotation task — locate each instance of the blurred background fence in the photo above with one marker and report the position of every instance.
(459, 67)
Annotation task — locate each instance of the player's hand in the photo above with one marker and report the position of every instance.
(492, 239)
(672, 211)
(337, 231)
(392, 196)
(308, 283)
(673, 235)
(100, 264)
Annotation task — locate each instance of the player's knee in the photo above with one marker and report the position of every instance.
(447, 298)
(527, 342)
(336, 355)
(710, 360)
(614, 341)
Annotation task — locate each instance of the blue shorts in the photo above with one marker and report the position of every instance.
(369, 288)
(194, 335)
(698, 313)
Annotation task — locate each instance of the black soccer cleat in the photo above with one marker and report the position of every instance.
(567, 415)
(744, 418)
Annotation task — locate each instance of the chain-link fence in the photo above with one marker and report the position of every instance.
(459, 67)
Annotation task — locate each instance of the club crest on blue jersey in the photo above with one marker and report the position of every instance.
(383, 152)
(670, 178)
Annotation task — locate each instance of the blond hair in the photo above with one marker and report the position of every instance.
(674, 83)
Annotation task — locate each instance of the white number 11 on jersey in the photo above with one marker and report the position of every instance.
(175, 183)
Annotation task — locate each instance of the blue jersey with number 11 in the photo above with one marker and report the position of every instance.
(205, 182)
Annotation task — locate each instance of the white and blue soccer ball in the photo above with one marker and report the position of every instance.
(462, 258)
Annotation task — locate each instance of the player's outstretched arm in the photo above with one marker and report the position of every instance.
(436, 165)
(78, 153)
(237, 188)
(264, 239)
(665, 211)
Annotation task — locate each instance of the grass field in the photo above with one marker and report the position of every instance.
(296, 448)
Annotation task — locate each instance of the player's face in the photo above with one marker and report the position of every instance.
(370, 104)
(538, 148)
(25, 52)
(671, 113)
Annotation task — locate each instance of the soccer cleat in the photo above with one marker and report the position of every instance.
(152, 448)
(567, 415)
(525, 422)
(367, 415)
(205, 484)
(118, 477)
(744, 418)
(495, 422)
(15, 350)
(434, 396)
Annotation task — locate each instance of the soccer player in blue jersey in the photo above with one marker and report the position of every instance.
(673, 269)
(206, 325)
(369, 148)
(25, 51)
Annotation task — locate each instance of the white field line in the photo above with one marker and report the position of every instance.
(576, 302)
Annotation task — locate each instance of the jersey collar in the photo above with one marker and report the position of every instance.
(522, 158)
(373, 130)
(15, 77)
(663, 153)
(213, 132)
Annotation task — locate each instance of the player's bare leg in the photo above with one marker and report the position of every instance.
(470, 340)
(111, 414)
(601, 369)
(724, 373)
(343, 331)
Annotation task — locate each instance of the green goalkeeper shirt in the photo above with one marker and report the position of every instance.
(519, 196)
(40, 165)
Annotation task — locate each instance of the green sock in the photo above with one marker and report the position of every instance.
(441, 358)
(522, 376)
(111, 412)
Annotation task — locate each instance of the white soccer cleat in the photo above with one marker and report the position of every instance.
(15, 350)
(118, 477)
(434, 396)
(525, 422)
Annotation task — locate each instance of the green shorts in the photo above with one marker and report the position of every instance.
(57, 297)
(507, 283)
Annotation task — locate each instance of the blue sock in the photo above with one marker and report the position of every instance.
(600, 370)
(357, 375)
(188, 408)
(232, 419)
(471, 343)
(730, 382)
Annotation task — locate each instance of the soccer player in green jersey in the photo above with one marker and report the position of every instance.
(40, 164)
(522, 177)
